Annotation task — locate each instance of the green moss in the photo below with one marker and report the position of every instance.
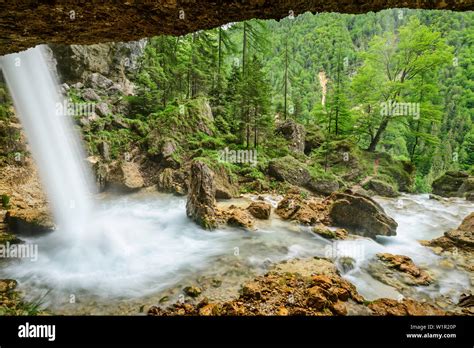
(5, 105)
(5, 201)
(318, 172)
(142, 128)
(205, 141)
(275, 147)
(252, 172)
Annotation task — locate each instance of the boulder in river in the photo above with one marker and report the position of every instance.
(454, 184)
(380, 188)
(461, 238)
(260, 210)
(126, 175)
(201, 203)
(456, 246)
(398, 271)
(328, 233)
(361, 215)
(305, 211)
(236, 217)
(322, 186)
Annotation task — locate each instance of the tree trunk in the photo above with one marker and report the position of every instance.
(245, 111)
(378, 135)
(286, 78)
(219, 63)
(338, 86)
(412, 154)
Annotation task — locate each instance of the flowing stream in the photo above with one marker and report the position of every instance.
(111, 254)
(144, 249)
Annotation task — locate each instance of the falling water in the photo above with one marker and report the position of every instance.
(54, 144)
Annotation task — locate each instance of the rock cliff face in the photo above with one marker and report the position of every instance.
(115, 61)
(25, 24)
(294, 133)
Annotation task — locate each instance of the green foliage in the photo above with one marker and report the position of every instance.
(16, 306)
(226, 88)
(5, 103)
(252, 172)
(318, 172)
(5, 201)
(422, 185)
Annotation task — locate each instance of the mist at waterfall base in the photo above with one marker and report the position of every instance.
(98, 247)
(131, 246)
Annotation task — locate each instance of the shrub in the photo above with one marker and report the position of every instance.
(5, 201)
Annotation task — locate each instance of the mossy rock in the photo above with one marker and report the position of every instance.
(323, 186)
(453, 184)
(290, 170)
(381, 188)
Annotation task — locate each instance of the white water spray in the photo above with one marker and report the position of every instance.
(54, 144)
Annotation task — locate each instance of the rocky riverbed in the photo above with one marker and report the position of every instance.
(161, 263)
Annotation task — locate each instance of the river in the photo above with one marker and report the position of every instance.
(145, 250)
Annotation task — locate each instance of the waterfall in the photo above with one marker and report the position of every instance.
(53, 142)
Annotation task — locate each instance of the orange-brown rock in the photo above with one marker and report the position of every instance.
(296, 287)
(456, 246)
(27, 209)
(385, 306)
(305, 211)
(326, 232)
(405, 265)
(461, 237)
(260, 210)
(235, 216)
(29, 221)
(300, 287)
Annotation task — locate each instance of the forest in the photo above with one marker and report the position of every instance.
(333, 73)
